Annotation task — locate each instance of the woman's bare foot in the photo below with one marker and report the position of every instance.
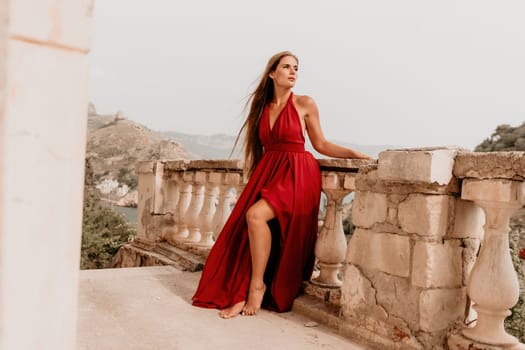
(255, 298)
(233, 310)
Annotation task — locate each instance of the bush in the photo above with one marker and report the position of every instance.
(515, 323)
(348, 226)
(504, 138)
(104, 231)
(126, 176)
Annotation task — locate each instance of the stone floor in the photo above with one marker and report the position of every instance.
(149, 308)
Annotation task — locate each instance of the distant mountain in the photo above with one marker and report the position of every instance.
(115, 145)
(219, 146)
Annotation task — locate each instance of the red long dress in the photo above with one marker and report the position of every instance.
(288, 177)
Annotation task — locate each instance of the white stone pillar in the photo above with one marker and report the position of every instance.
(493, 283)
(169, 225)
(43, 118)
(240, 184)
(173, 194)
(224, 202)
(208, 209)
(146, 188)
(170, 187)
(159, 196)
(184, 203)
(197, 199)
(4, 35)
(330, 247)
(166, 191)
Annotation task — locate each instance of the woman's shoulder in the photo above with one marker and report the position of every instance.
(304, 101)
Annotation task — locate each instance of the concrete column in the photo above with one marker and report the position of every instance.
(197, 200)
(239, 186)
(208, 209)
(184, 203)
(145, 224)
(159, 189)
(173, 195)
(169, 226)
(493, 283)
(43, 119)
(167, 178)
(224, 201)
(330, 247)
(3, 143)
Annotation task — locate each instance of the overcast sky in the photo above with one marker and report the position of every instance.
(406, 73)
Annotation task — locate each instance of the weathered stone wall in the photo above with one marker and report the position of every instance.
(414, 243)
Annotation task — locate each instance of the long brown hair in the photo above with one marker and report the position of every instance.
(258, 99)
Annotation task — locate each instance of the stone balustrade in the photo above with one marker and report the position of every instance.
(495, 183)
(338, 181)
(181, 208)
(184, 205)
(411, 266)
(410, 272)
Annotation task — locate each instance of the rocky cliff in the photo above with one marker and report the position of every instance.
(115, 144)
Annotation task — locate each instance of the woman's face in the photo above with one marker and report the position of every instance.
(286, 72)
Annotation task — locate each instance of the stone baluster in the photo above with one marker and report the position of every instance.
(145, 238)
(225, 198)
(493, 283)
(330, 247)
(240, 184)
(169, 228)
(173, 193)
(172, 184)
(208, 209)
(186, 179)
(157, 205)
(197, 199)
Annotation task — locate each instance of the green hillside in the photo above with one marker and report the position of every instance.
(115, 145)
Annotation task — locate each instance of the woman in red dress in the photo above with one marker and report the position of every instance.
(266, 247)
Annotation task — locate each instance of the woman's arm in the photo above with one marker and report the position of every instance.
(311, 117)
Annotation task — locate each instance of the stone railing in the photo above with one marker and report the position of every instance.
(183, 205)
(404, 279)
(496, 184)
(338, 181)
(181, 208)
(420, 218)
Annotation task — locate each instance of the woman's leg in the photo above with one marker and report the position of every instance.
(260, 237)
